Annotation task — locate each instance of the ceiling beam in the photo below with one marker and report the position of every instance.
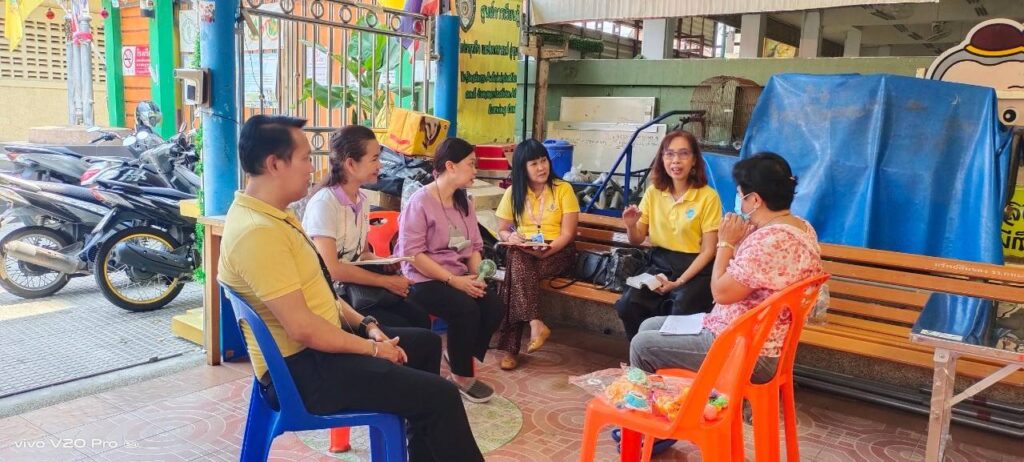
(901, 50)
(905, 35)
(922, 13)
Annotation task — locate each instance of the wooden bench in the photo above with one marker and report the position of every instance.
(876, 296)
(596, 233)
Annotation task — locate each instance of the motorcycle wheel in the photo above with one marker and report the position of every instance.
(128, 287)
(25, 279)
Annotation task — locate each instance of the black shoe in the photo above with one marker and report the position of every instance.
(476, 392)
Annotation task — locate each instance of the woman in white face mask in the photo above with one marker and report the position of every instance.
(762, 248)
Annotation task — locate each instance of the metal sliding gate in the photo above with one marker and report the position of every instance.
(331, 62)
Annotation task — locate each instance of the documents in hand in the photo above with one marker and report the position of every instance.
(640, 281)
(381, 261)
(690, 324)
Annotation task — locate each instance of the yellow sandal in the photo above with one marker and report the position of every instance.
(537, 342)
(509, 363)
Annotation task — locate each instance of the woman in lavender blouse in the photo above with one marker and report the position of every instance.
(438, 228)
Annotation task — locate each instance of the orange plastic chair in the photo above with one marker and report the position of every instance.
(765, 397)
(383, 228)
(727, 368)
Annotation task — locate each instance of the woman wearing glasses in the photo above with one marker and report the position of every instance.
(679, 214)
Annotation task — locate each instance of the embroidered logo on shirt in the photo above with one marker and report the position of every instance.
(690, 213)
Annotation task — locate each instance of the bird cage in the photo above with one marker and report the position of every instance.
(728, 103)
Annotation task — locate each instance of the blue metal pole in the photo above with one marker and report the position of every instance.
(446, 98)
(220, 140)
(220, 121)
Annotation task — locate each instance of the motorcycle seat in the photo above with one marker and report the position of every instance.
(167, 192)
(32, 149)
(76, 192)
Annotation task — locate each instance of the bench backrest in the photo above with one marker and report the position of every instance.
(868, 284)
(599, 233)
(893, 287)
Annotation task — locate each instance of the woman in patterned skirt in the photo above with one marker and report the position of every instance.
(537, 219)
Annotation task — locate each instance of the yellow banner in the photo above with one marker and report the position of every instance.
(16, 11)
(488, 62)
(1013, 226)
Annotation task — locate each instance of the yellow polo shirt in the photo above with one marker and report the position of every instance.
(679, 226)
(558, 201)
(264, 257)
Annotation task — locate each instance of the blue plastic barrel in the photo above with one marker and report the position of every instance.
(560, 152)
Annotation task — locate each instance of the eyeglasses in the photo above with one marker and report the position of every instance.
(679, 153)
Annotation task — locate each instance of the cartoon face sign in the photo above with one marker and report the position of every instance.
(991, 55)
(431, 129)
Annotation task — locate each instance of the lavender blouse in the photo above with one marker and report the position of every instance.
(426, 226)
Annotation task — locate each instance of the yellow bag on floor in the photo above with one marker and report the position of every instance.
(415, 133)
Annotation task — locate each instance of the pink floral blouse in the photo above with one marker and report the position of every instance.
(769, 260)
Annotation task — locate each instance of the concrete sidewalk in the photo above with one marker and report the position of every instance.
(76, 334)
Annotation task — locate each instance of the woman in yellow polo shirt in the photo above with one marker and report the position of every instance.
(680, 215)
(539, 207)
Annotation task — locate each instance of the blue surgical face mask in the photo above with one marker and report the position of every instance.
(738, 207)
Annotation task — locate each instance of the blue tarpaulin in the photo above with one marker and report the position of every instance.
(967, 319)
(887, 162)
(719, 169)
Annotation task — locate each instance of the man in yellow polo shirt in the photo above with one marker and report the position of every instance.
(339, 359)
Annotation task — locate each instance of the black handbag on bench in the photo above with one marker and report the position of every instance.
(608, 270)
(590, 267)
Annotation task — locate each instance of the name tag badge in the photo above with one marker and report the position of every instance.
(537, 237)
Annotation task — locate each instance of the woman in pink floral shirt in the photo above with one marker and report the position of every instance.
(762, 248)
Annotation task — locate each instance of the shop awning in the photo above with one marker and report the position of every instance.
(556, 11)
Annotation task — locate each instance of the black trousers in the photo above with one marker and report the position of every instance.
(399, 314)
(471, 321)
(334, 382)
(636, 305)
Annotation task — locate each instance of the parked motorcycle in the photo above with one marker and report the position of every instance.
(61, 164)
(142, 266)
(56, 219)
(140, 251)
(168, 165)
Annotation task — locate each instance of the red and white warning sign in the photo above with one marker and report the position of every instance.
(135, 60)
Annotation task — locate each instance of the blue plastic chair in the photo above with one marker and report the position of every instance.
(263, 424)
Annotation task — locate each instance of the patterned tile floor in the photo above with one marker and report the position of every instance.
(199, 415)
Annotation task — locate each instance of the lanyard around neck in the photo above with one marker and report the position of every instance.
(444, 212)
(320, 259)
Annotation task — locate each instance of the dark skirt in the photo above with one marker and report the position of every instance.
(636, 305)
(521, 291)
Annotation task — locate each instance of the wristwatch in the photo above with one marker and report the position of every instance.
(365, 323)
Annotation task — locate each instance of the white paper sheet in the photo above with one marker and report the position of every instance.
(690, 324)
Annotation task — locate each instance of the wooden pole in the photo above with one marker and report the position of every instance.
(540, 97)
